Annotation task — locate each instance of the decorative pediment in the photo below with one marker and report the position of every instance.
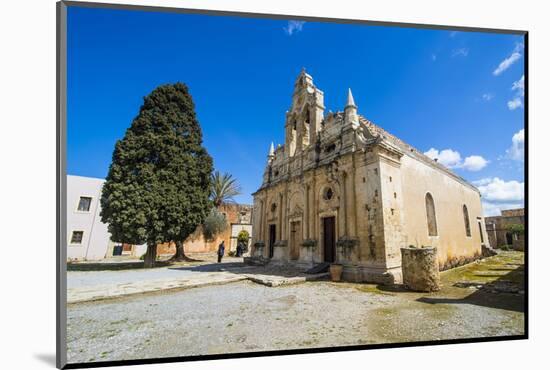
(296, 211)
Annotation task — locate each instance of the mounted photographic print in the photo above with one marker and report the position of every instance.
(236, 185)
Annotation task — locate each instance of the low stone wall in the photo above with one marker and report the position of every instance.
(518, 244)
(459, 261)
(363, 274)
(420, 269)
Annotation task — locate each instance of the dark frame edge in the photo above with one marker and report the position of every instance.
(61, 186)
(162, 360)
(526, 180)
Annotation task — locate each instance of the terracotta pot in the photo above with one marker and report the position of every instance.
(336, 272)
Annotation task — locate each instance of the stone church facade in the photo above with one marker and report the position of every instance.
(343, 190)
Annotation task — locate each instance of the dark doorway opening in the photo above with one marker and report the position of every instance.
(509, 239)
(272, 237)
(329, 238)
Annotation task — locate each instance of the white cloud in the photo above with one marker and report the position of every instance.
(462, 52)
(506, 63)
(517, 150)
(293, 26)
(515, 103)
(488, 96)
(498, 190)
(494, 209)
(452, 159)
(447, 157)
(519, 85)
(498, 194)
(453, 33)
(474, 163)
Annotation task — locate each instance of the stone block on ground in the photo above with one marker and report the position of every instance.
(420, 269)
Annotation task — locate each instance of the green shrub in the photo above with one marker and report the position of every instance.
(517, 229)
(214, 224)
(243, 237)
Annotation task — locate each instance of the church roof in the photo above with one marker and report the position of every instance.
(378, 131)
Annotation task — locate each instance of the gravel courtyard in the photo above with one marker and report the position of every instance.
(477, 300)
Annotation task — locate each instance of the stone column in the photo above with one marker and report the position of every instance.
(306, 215)
(344, 197)
(354, 199)
(280, 226)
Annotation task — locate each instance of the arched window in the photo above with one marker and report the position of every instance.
(430, 214)
(466, 220)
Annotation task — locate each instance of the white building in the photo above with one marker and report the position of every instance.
(87, 237)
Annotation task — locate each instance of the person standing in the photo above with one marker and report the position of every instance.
(239, 249)
(221, 251)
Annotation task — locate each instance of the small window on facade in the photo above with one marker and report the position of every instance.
(84, 204)
(328, 194)
(390, 179)
(395, 195)
(76, 237)
(430, 213)
(466, 220)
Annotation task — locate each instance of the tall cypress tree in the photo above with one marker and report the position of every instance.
(159, 180)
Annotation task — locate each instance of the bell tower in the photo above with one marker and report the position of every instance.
(303, 120)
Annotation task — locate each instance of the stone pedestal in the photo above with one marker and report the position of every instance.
(420, 269)
(307, 254)
(280, 252)
(258, 251)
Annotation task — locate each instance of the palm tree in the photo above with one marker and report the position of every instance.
(224, 188)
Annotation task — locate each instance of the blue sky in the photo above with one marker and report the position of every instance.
(457, 96)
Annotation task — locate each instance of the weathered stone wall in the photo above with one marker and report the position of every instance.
(420, 269)
(195, 243)
(449, 197)
(519, 212)
(497, 226)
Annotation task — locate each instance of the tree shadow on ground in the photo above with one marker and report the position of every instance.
(242, 268)
(112, 266)
(394, 288)
(212, 267)
(502, 293)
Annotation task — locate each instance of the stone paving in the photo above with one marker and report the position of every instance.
(97, 292)
(245, 317)
(86, 286)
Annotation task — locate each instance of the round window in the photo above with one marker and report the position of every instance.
(328, 194)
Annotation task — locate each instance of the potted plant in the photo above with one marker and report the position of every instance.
(336, 270)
